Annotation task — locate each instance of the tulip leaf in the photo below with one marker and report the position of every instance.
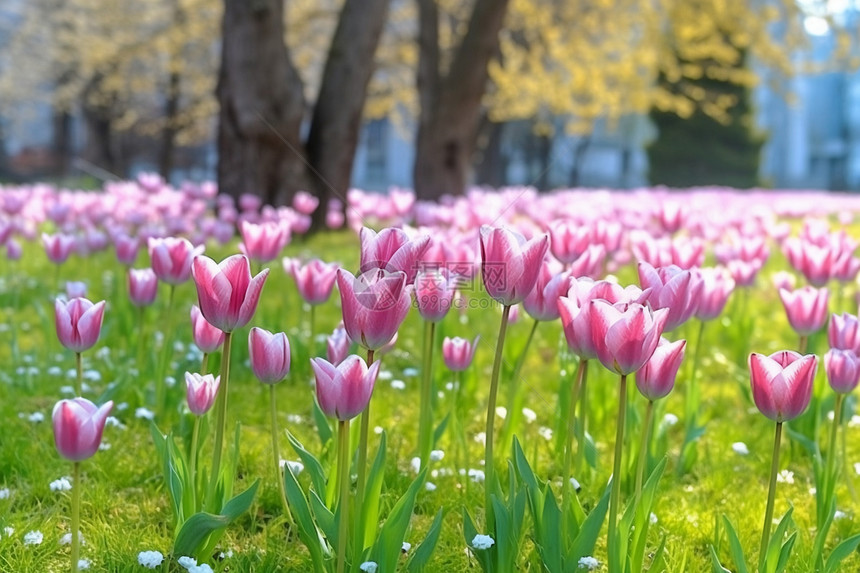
(840, 552)
(312, 465)
(372, 495)
(324, 430)
(775, 545)
(716, 566)
(390, 542)
(324, 518)
(307, 529)
(735, 548)
(419, 558)
(483, 556)
(440, 429)
(585, 541)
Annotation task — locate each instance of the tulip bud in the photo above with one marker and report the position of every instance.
(782, 383)
(78, 323)
(78, 426)
(142, 286)
(270, 355)
(344, 391)
(843, 370)
(657, 377)
(207, 338)
(458, 352)
(201, 391)
(227, 294)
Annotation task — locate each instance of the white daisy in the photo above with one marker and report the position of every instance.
(481, 542)
(150, 559)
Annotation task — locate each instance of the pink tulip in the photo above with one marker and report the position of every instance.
(434, 292)
(171, 259)
(784, 280)
(510, 264)
(337, 345)
(813, 261)
(207, 337)
(843, 370)
(657, 377)
(314, 280)
(458, 352)
(806, 309)
(263, 242)
(344, 391)
(625, 335)
(782, 383)
(201, 391)
(716, 287)
(542, 302)
(374, 305)
(13, 250)
(305, 203)
(58, 247)
(227, 294)
(843, 332)
(392, 250)
(590, 263)
(78, 426)
(744, 273)
(570, 240)
(126, 249)
(78, 322)
(673, 289)
(270, 355)
(142, 286)
(76, 289)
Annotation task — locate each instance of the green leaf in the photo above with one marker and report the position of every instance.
(716, 566)
(735, 548)
(588, 534)
(324, 518)
(485, 556)
(547, 527)
(840, 552)
(393, 532)
(312, 465)
(775, 546)
(440, 429)
(419, 558)
(809, 445)
(307, 529)
(324, 430)
(785, 553)
(373, 494)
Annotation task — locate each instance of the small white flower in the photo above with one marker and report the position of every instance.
(410, 371)
(476, 475)
(415, 464)
(398, 385)
(295, 467)
(202, 568)
(8, 531)
(854, 421)
(785, 476)
(5, 493)
(481, 542)
(652, 518)
(226, 554)
(436, 455)
(589, 563)
(368, 566)
(670, 419)
(857, 468)
(92, 375)
(144, 413)
(104, 446)
(430, 486)
(83, 564)
(406, 547)
(114, 422)
(830, 415)
(62, 484)
(529, 415)
(575, 484)
(740, 448)
(385, 375)
(545, 433)
(812, 491)
(481, 438)
(66, 539)
(501, 412)
(55, 371)
(188, 562)
(36, 417)
(33, 538)
(294, 419)
(839, 514)
(122, 406)
(150, 559)
(67, 390)
(378, 430)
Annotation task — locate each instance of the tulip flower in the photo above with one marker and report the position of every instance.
(813, 261)
(142, 286)
(569, 240)
(542, 302)
(207, 337)
(227, 293)
(126, 249)
(305, 203)
(78, 427)
(510, 264)
(270, 355)
(374, 305)
(843, 332)
(673, 289)
(843, 370)
(716, 288)
(434, 292)
(344, 391)
(263, 242)
(806, 309)
(58, 247)
(392, 250)
(458, 352)
(201, 390)
(314, 280)
(171, 259)
(337, 345)
(78, 324)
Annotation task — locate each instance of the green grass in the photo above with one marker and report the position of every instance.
(125, 505)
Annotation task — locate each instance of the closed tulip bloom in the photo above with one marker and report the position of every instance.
(813, 261)
(510, 264)
(843, 332)
(374, 305)
(13, 250)
(458, 352)
(315, 279)
(392, 250)
(263, 242)
(590, 263)
(337, 345)
(207, 337)
(570, 240)
(126, 249)
(806, 308)
(625, 335)
(434, 292)
(657, 377)
(542, 302)
(305, 203)
(78, 426)
(227, 293)
(716, 287)
(78, 322)
(201, 391)
(171, 259)
(782, 383)
(344, 391)
(673, 289)
(142, 286)
(58, 247)
(843, 370)
(270, 355)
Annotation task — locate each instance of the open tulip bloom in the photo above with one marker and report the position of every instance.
(392, 250)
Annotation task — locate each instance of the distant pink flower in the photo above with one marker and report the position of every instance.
(843, 370)
(305, 203)
(201, 391)
(171, 259)
(227, 293)
(344, 391)
(590, 263)
(76, 289)
(13, 250)
(58, 247)
(374, 305)
(434, 292)
(263, 242)
(78, 426)
(657, 377)
(843, 332)
(542, 302)
(673, 289)
(315, 279)
(126, 249)
(206, 337)
(270, 355)
(625, 335)
(569, 240)
(337, 345)
(142, 286)
(510, 264)
(806, 308)
(813, 261)
(782, 383)
(392, 250)
(716, 287)
(78, 323)
(784, 280)
(458, 352)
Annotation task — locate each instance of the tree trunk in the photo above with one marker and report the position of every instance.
(98, 115)
(447, 134)
(578, 159)
(491, 169)
(62, 142)
(336, 121)
(260, 95)
(168, 134)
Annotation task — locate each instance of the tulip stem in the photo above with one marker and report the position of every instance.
(425, 423)
(276, 455)
(771, 492)
(568, 449)
(140, 339)
(848, 479)
(362, 467)
(220, 422)
(643, 449)
(830, 475)
(489, 473)
(79, 381)
(615, 494)
(582, 398)
(195, 433)
(76, 515)
(515, 391)
(311, 334)
(204, 364)
(802, 344)
(343, 502)
(160, 386)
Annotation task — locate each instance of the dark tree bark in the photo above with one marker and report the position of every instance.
(578, 159)
(98, 114)
(447, 131)
(259, 143)
(336, 120)
(171, 103)
(493, 164)
(62, 142)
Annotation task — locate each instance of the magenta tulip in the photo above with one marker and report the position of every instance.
(657, 377)
(58, 247)
(782, 383)
(806, 308)
(843, 370)
(78, 426)
(200, 391)
(392, 250)
(142, 286)
(207, 337)
(344, 391)
(315, 279)
(434, 292)
(510, 264)
(227, 293)
(673, 289)
(843, 332)
(337, 345)
(171, 259)
(78, 322)
(270, 355)
(542, 302)
(716, 287)
(625, 335)
(458, 352)
(570, 240)
(126, 249)
(263, 242)
(374, 305)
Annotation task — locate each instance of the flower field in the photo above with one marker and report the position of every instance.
(195, 384)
